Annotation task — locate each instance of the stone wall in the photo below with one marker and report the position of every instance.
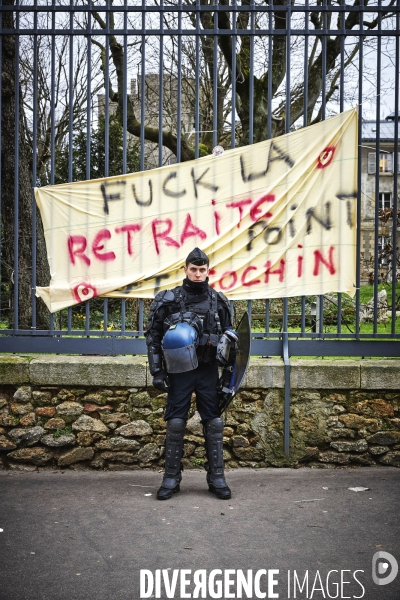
(100, 413)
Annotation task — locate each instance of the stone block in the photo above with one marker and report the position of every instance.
(380, 374)
(56, 423)
(97, 463)
(91, 408)
(21, 409)
(75, 455)
(377, 450)
(148, 453)
(89, 370)
(8, 420)
(239, 441)
(385, 438)
(23, 394)
(28, 436)
(88, 438)
(194, 425)
(188, 449)
(69, 410)
(46, 411)
(28, 420)
(318, 374)
(64, 395)
(248, 453)
(334, 433)
(58, 441)
(374, 408)
(42, 398)
(116, 417)
(363, 459)
(357, 422)
(340, 458)
(85, 423)
(36, 456)
(6, 444)
(117, 444)
(136, 428)
(14, 370)
(265, 373)
(139, 399)
(391, 458)
(310, 453)
(345, 446)
(16, 466)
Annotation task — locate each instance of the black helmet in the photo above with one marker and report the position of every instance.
(197, 257)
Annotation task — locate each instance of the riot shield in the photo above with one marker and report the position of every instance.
(240, 366)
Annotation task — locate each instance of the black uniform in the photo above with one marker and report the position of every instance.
(213, 309)
(207, 313)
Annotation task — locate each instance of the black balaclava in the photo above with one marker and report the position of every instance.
(196, 257)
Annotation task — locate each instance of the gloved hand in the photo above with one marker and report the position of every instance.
(224, 394)
(225, 378)
(160, 381)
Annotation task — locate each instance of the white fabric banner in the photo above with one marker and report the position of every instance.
(277, 219)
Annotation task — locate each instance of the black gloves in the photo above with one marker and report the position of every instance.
(160, 381)
(224, 380)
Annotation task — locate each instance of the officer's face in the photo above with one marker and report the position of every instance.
(195, 273)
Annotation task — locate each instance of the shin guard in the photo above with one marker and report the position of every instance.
(213, 434)
(173, 455)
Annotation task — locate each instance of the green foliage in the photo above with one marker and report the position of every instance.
(97, 153)
(203, 150)
(367, 292)
(65, 431)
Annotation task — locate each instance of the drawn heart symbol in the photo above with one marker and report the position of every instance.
(326, 157)
(84, 291)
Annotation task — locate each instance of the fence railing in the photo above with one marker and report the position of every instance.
(97, 89)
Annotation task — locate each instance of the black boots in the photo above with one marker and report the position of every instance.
(173, 455)
(213, 434)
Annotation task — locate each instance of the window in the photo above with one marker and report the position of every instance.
(383, 241)
(385, 200)
(385, 162)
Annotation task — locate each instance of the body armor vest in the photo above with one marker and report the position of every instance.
(207, 311)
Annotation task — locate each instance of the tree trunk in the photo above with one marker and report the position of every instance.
(25, 199)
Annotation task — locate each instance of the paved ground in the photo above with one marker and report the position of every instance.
(86, 535)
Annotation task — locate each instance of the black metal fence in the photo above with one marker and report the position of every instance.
(92, 89)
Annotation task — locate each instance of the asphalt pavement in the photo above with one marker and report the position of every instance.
(285, 533)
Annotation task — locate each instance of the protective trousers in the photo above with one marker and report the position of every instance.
(173, 455)
(213, 434)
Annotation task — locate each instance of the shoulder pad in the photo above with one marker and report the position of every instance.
(163, 297)
(168, 296)
(223, 298)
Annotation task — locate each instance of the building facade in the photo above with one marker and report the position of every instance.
(379, 167)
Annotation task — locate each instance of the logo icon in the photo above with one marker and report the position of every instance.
(384, 568)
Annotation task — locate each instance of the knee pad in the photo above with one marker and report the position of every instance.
(215, 425)
(176, 425)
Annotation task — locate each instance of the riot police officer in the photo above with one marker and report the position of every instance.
(183, 335)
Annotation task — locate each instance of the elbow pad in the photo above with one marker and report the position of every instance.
(155, 359)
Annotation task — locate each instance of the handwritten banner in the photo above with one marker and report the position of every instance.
(277, 219)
